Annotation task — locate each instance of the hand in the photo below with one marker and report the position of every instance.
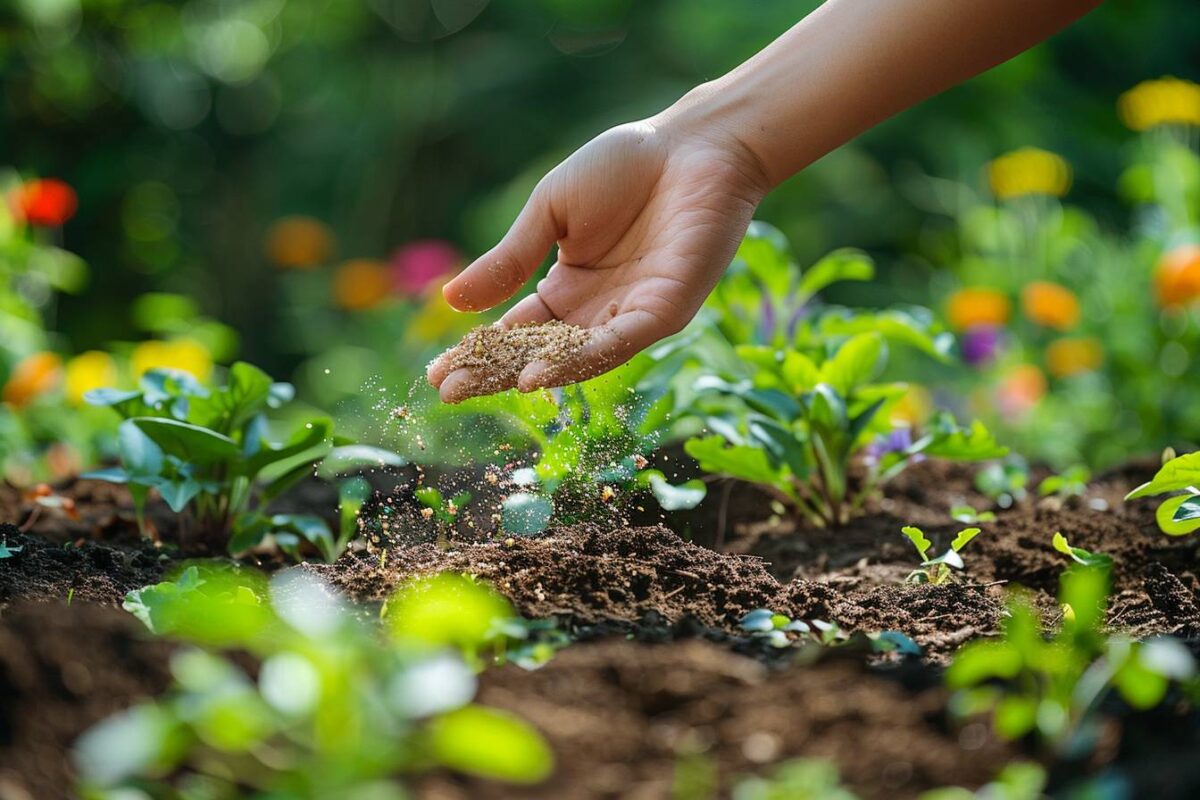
(646, 216)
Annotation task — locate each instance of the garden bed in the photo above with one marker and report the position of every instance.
(623, 713)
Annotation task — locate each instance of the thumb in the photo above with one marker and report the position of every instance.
(497, 274)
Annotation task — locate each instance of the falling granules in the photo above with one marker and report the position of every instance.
(496, 356)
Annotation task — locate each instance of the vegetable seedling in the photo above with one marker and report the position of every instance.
(1069, 483)
(1178, 515)
(209, 454)
(967, 515)
(1003, 482)
(937, 571)
(1078, 554)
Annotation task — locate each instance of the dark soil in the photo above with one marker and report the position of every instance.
(62, 669)
(622, 717)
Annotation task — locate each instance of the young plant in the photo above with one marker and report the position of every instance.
(1071, 482)
(802, 397)
(936, 571)
(1078, 554)
(1003, 482)
(1054, 687)
(208, 451)
(334, 706)
(1178, 515)
(967, 515)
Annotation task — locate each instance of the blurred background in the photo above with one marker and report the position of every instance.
(288, 181)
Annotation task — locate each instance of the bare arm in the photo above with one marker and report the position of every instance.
(647, 215)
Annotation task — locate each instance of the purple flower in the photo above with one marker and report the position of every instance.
(898, 440)
(980, 345)
(766, 321)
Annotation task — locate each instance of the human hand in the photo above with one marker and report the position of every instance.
(646, 216)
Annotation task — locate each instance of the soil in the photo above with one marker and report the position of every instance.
(623, 717)
(62, 669)
(615, 708)
(495, 356)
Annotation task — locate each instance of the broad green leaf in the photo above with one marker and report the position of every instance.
(429, 496)
(357, 456)
(312, 434)
(1015, 716)
(1176, 475)
(826, 408)
(188, 442)
(840, 265)
(1078, 554)
(178, 493)
(1178, 516)
(919, 540)
(764, 255)
(1142, 687)
(309, 527)
(784, 445)
(800, 373)
(248, 531)
(110, 397)
(963, 538)
(981, 661)
(140, 455)
(738, 461)
(914, 327)
(955, 443)
(445, 610)
(492, 744)
(676, 498)
(856, 362)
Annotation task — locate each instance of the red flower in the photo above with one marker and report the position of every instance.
(48, 202)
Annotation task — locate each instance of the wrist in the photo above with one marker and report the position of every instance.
(711, 115)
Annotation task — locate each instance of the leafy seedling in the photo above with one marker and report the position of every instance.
(936, 571)
(8, 552)
(1069, 483)
(209, 453)
(1003, 482)
(1178, 515)
(967, 515)
(1078, 554)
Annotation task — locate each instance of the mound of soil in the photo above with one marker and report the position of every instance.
(62, 669)
(623, 717)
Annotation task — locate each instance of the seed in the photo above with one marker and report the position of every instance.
(427, 513)
(607, 494)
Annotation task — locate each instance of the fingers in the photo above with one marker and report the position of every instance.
(463, 384)
(531, 310)
(610, 346)
(497, 274)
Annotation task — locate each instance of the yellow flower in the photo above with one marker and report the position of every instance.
(299, 243)
(1161, 102)
(1029, 171)
(32, 376)
(1066, 357)
(1050, 305)
(436, 320)
(1177, 276)
(91, 370)
(913, 408)
(361, 284)
(977, 305)
(186, 355)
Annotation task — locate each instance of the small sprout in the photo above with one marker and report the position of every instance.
(6, 551)
(1179, 514)
(936, 571)
(1078, 554)
(967, 515)
(1069, 483)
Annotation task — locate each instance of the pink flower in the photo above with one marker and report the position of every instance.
(420, 263)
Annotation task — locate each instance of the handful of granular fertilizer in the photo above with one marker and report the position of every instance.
(495, 356)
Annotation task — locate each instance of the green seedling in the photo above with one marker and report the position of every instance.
(779, 630)
(967, 515)
(1178, 515)
(1078, 554)
(1003, 482)
(1054, 687)
(209, 453)
(794, 394)
(936, 571)
(1069, 483)
(8, 552)
(334, 706)
(797, 779)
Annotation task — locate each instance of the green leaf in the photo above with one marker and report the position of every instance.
(738, 461)
(840, 265)
(1176, 475)
(1179, 516)
(8, 552)
(856, 362)
(356, 456)
(309, 527)
(952, 442)
(110, 397)
(140, 456)
(1078, 554)
(445, 610)
(178, 493)
(919, 540)
(784, 445)
(676, 498)
(188, 442)
(800, 373)
(249, 530)
(490, 744)
(963, 538)
(430, 497)
(1015, 716)
(312, 434)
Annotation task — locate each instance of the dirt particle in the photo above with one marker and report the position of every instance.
(495, 356)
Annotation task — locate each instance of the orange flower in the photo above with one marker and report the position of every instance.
(1066, 357)
(1050, 305)
(48, 202)
(1020, 390)
(299, 243)
(32, 376)
(977, 305)
(1177, 277)
(361, 284)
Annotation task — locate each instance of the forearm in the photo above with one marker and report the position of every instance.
(853, 63)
